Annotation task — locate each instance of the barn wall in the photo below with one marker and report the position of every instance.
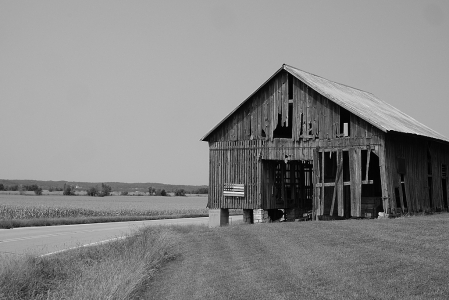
(241, 142)
(413, 151)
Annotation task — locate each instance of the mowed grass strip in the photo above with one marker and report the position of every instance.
(404, 258)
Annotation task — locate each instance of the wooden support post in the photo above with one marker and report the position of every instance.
(315, 178)
(355, 167)
(383, 180)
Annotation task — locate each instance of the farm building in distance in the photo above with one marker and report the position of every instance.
(301, 143)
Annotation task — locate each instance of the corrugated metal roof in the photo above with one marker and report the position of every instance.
(365, 105)
(362, 104)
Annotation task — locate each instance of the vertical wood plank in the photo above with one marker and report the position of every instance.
(355, 166)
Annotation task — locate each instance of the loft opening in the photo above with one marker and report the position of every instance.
(345, 118)
(284, 129)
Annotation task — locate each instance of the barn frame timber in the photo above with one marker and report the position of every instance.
(310, 146)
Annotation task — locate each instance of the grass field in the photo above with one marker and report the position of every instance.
(29, 210)
(403, 258)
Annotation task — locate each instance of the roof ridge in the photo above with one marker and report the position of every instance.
(329, 80)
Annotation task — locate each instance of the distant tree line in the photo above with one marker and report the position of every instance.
(95, 191)
(104, 191)
(204, 190)
(156, 192)
(32, 188)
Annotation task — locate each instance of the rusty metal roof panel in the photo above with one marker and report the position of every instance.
(365, 105)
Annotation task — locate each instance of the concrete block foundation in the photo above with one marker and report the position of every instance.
(261, 216)
(218, 217)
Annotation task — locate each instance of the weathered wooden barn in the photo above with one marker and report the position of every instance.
(304, 144)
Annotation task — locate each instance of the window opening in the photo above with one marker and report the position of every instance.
(263, 133)
(290, 87)
(345, 117)
(284, 130)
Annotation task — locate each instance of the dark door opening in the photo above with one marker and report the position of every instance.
(404, 197)
(288, 184)
(444, 186)
(430, 189)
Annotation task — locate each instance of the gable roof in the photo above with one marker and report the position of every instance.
(362, 104)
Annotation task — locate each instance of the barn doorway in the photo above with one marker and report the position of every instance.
(288, 184)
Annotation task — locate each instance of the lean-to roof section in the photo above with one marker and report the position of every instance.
(362, 104)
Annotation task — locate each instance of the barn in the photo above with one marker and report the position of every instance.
(303, 145)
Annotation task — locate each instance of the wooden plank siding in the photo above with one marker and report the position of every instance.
(413, 150)
(245, 140)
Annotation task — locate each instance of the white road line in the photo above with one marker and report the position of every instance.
(58, 234)
(86, 245)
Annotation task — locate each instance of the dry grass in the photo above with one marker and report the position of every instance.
(117, 270)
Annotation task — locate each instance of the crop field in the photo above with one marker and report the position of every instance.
(56, 206)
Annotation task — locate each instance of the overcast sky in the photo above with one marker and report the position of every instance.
(124, 90)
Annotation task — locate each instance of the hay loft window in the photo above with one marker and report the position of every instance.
(345, 118)
(290, 87)
(284, 130)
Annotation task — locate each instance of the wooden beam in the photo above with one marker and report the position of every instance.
(337, 178)
(367, 164)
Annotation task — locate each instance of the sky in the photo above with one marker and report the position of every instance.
(124, 90)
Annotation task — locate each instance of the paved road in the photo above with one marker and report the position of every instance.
(50, 239)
